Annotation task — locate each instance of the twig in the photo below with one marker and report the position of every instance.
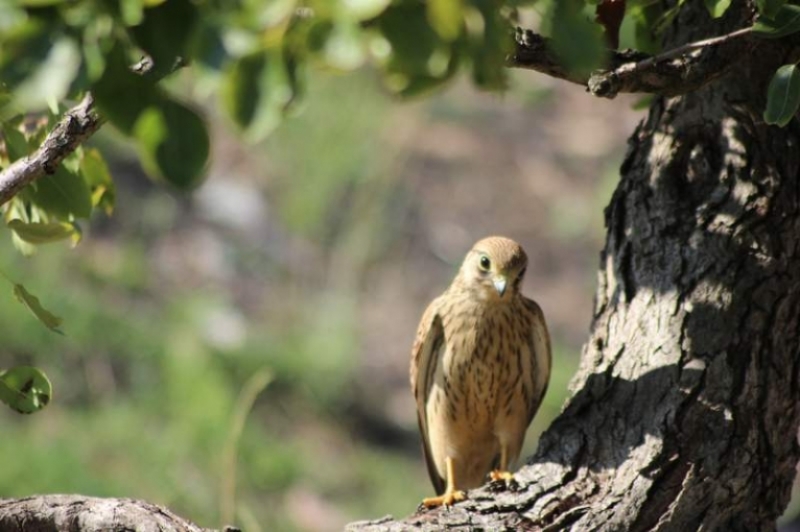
(697, 45)
(672, 72)
(77, 125)
(632, 71)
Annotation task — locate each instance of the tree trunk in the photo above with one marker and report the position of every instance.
(685, 408)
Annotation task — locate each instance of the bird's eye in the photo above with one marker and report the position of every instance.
(485, 263)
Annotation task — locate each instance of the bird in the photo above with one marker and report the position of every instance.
(480, 366)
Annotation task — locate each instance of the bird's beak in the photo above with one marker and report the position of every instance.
(500, 285)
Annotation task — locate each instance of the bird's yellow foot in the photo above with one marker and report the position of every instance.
(507, 476)
(503, 480)
(448, 498)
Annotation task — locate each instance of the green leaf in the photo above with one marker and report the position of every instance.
(51, 80)
(446, 17)
(577, 41)
(364, 9)
(420, 85)
(94, 50)
(717, 8)
(25, 249)
(769, 8)
(40, 3)
(63, 193)
(25, 48)
(411, 38)
(96, 174)
(32, 303)
(637, 30)
(241, 89)
(207, 46)
(173, 143)
(344, 49)
(25, 389)
(122, 95)
(165, 33)
(11, 15)
(16, 145)
(258, 89)
(783, 96)
(275, 12)
(42, 232)
(489, 49)
(785, 22)
(418, 59)
(132, 12)
(21, 209)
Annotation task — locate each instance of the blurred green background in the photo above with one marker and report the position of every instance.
(310, 256)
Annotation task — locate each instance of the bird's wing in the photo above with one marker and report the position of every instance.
(542, 356)
(424, 358)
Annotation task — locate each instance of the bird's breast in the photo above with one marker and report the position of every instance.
(480, 364)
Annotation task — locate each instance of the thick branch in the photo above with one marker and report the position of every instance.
(76, 513)
(77, 125)
(678, 71)
(486, 509)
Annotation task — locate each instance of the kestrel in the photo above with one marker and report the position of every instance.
(479, 370)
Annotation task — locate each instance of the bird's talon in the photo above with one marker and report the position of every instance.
(503, 480)
(447, 499)
(496, 486)
(501, 475)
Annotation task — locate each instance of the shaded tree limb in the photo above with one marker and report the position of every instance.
(78, 513)
(77, 125)
(677, 71)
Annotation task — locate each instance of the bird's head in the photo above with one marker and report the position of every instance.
(495, 266)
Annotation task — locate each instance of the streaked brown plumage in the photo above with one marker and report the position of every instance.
(479, 369)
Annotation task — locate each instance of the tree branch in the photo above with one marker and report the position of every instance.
(77, 513)
(77, 125)
(677, 71)
(486, 509)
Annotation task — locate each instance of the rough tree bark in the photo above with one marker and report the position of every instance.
(685, 408)
(54, 513)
